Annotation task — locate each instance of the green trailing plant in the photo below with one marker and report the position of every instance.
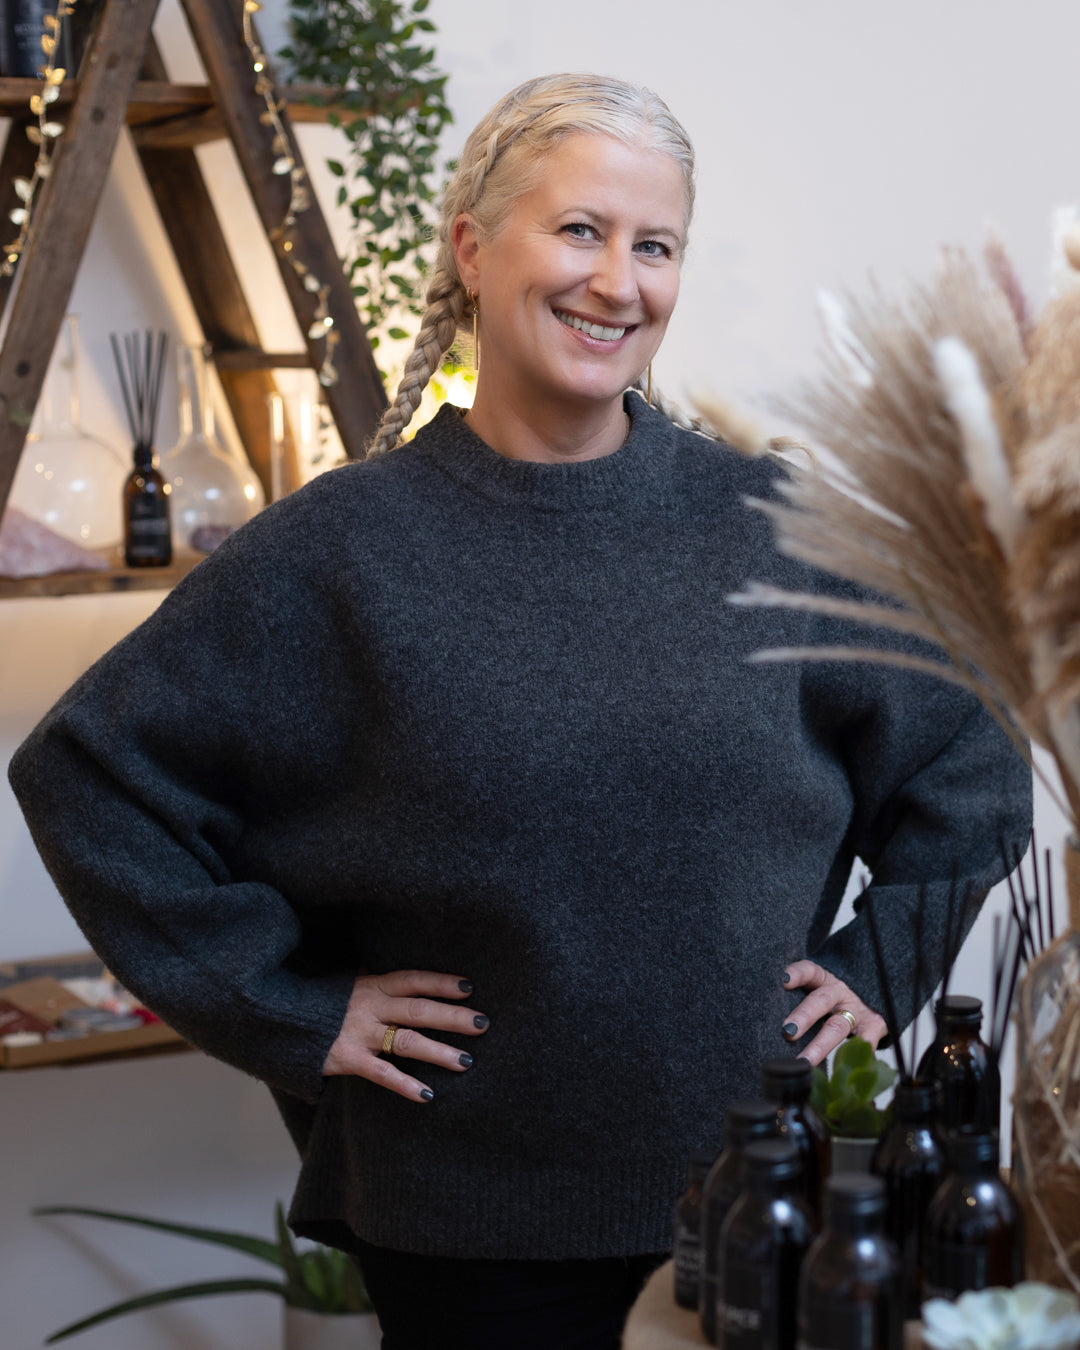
(845, 1097)
(319, 1279)
(389, 101)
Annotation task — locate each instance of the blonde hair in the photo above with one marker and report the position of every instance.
(502, 160)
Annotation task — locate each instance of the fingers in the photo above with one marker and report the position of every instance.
(410, 1001)
(823, 1004)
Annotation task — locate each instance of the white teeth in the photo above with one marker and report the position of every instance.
(593, 330)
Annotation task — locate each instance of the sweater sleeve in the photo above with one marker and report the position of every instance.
(136, 788)
(940, 795)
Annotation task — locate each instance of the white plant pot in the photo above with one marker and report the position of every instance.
(851, 1154)
(306, 1330)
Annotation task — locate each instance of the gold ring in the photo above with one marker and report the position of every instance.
(388, 1039)
(849, 1018)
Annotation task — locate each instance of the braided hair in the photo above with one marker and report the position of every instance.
(502, 160)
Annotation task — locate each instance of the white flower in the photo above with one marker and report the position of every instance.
(1030, 1317)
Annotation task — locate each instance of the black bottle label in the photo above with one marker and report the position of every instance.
(687, 1265)
(952, 1268)
(742, 1309)
(849, 1326)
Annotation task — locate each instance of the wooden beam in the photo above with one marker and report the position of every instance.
(63, 217)
(202, 254)
(357, 399)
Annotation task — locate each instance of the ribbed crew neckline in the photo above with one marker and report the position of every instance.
(638, 466)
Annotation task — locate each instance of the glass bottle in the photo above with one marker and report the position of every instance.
(213, 491)
(1046, 1100)
(763, 1240)
(910, 1159)
(147, 536)
(788, 1083)
(850, 1284)
(67, 479)
(974, 1229)
(961, 1062)
(744, 1122)
(687, 1245)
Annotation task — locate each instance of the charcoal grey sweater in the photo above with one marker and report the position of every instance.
(450, 711)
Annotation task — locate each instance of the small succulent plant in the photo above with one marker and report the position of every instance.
(845, 1097)
(1030, 1317)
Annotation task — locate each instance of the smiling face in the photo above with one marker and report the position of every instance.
(576, 286)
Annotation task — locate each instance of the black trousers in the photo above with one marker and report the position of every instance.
(440, 1303)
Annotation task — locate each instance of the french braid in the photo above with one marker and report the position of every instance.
(503, 158)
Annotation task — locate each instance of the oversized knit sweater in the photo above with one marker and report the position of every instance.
(446, 710)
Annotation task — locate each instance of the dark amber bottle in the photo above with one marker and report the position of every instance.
(974, 1228)
(147, 530)
(850, 1285)
(743, 1122)
(961, 1062)
(788, 1083)
(687, 1245)
(910, 1159)
(763, 1240)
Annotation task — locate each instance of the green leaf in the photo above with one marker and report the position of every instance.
(174, 1295)
(862, 1121)
(241, 1242)
(398, 334)
(855, 1053)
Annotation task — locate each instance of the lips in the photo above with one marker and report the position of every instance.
(593, 330)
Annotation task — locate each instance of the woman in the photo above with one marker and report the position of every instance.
(441, 797)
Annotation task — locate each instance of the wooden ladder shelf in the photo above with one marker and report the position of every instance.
(167, 122)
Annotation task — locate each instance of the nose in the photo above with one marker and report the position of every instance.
(614, 278)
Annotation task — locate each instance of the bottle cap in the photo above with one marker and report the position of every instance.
(971, 1144)
(783, 1079)
(851, 1193)
(775, 1159)
(959, 1010)
(748, 1120)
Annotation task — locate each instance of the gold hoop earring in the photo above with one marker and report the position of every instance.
(648, 386)
(475, 299)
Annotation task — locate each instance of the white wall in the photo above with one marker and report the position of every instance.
(833, 139)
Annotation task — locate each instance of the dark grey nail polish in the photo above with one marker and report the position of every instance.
(466, 986)
(787, 977)
(480, 1021)
(426, 1095)
(791, 1029)
(465, 1061)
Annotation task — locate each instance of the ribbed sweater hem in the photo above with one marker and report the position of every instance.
(544, 1211)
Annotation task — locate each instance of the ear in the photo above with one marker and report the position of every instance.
(465, 241)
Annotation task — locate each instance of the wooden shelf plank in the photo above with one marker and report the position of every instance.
(118, 578)
(180, 114)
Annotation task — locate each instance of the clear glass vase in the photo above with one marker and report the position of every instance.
(67, 479)
(213, 491)
(1046, 1102)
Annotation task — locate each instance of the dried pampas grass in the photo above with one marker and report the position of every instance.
(951, 423)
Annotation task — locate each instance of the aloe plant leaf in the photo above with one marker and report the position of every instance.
(299, 1292)
(174, 1295)
(241, 1242)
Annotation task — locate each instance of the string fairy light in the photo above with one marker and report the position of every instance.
(45, 136)
(322, 326)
